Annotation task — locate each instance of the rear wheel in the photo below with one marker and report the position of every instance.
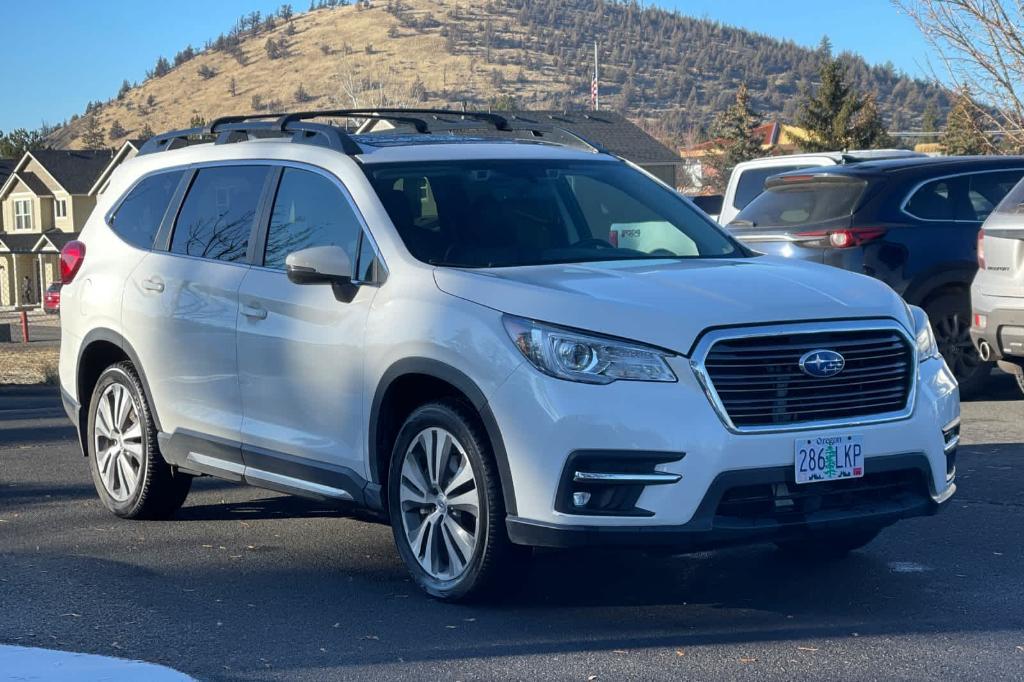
(129, 473)
(446, 508)
(950, 315)
(832, 545)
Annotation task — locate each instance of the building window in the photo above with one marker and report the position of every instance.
(60, 208)
(23, 214)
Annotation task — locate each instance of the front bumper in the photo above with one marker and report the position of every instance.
(545, 421)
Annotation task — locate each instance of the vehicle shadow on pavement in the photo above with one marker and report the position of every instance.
(1001, 387)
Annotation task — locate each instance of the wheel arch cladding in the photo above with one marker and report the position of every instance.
(946, 278)
(411, 382)
(100, 349)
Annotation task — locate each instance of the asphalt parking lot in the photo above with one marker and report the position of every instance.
(248, 584)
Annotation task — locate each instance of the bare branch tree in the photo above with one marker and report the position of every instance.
(981, 45)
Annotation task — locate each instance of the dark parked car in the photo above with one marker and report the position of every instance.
(51, 300)
(912, 223)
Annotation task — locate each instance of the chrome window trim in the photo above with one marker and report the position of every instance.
(915, 188)
(708, 340)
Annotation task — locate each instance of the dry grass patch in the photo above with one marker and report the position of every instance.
(28, 363)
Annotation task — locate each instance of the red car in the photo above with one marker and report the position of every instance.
(51, 300)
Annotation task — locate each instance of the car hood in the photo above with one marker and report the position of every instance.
(669, 303)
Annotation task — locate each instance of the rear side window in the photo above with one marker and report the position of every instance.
(986, 190)
(138, 218)
(935, 200)
(751, 182)
(309, 210)
(217, 215)
(802, 203)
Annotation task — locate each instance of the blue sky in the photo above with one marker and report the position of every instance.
(67, 52)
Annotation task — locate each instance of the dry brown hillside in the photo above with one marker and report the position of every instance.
(673, 71)
(339, 57)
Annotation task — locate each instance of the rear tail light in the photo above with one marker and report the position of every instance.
(843, 238)
(981, 249)
(980, 321)
(71, 257)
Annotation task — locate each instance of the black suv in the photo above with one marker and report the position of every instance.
(912, 223)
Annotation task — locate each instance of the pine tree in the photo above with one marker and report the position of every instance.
(827, 114)
(94, 136)
(928, 118)
(117, 130)
(964, 133)
(868, 129)
(733, 129)
(146, 132)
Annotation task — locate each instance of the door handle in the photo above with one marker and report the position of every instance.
(153, 284)
(253, 312)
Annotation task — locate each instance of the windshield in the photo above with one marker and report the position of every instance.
(506, 213)
(801, 203)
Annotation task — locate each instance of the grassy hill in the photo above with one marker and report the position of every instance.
(671, 71)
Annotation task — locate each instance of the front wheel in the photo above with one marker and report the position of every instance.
(130, 474)
(446, 507)
(950, 315)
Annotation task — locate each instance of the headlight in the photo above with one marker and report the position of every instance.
(926, 346)
(574, 356)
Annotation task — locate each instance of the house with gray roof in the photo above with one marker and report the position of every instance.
(44, 202)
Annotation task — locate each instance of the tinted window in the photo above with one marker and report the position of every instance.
(985, 191)
(309, 210)
(217, 215)
(751, 182)
(935, 200)
(138, 218)
(802, 203)
(366, 270)
(506, 213)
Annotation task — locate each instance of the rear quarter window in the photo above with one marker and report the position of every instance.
(137, 218)
(803, 203)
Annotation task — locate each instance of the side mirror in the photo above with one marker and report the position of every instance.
(319, 265)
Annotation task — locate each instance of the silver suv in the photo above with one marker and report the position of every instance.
(997, 294)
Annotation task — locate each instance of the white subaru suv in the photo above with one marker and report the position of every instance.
(496, 336)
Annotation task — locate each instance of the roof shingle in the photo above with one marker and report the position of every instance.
(76, 170)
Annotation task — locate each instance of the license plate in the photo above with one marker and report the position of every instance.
(828, 457)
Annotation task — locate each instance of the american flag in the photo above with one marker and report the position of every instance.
(593, 93)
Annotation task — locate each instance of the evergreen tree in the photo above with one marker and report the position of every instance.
(964, 133)
(124, 89)
(837, 116)
(117, 131)
(146, 132)
(733, 129)
(19, 141)
(928, 118)
(94, 136)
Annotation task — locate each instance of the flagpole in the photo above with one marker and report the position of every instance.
(597, 94)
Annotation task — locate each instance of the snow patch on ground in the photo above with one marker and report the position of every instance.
(26, 664)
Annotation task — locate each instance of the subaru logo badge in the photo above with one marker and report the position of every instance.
(822, 363)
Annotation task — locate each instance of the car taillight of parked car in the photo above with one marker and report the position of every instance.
(844, 238)
(981, 249)
(71, 257)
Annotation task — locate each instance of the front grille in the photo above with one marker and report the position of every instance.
(759, 382)
(784, 502)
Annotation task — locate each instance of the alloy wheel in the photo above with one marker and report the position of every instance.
(440, 503)
(953, 336)
(117, 442)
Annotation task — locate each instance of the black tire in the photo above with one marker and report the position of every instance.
(159, 490)
(495, 561)
(950, 315)
(828, 546)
